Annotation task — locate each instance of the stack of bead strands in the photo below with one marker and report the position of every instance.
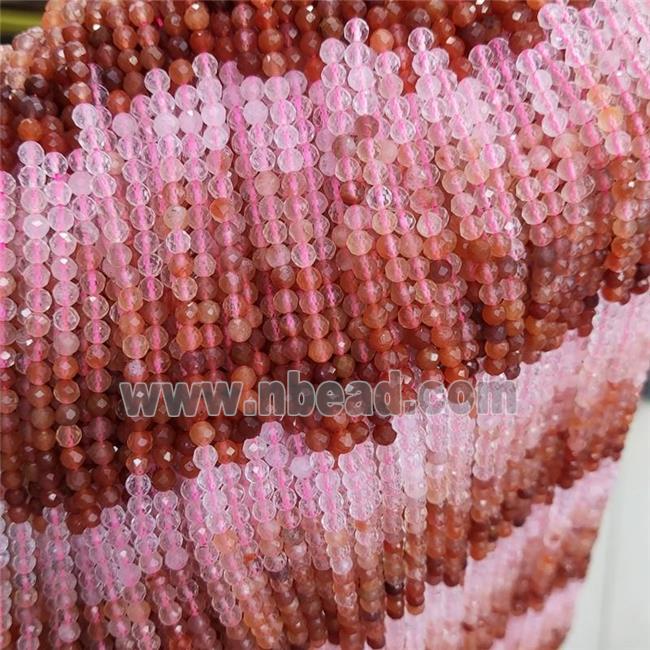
(219, 191)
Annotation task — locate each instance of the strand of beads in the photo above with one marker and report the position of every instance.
(458, 519)
(157, 549)
(96, 625)
(207, 506)
(58, 580)
(546, 626)
(438, 466)
(112, 544)
(271, 512)
(101, 581)
(148, 319)
(25, 611)
(494, 435)
(200, 626)
(94, 188)
(338, 550)
(238, 324)
(447, 287)
(451, 346)
(322, 284)
(124, 558)
(51, 69)
(314, 534)
(69, 398)
(269, 228)
(167, 523)
(182, 591)
(623, 111)
(502, 295)
(362, 487)
(249, 583)
(63, 391)
(295, 544)
(464, 329)
(392, 529)
(6, 621)
(169, 612)
(11, 455)
(35, 312)
(607, 116)
(411, 454)
(562, 203)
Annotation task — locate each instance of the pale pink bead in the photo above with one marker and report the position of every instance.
(359, 242)
(541, 235)
(618, 143)
(476, 172)
(463, 204)
(540, 157)
(184, 288)
(471, 227)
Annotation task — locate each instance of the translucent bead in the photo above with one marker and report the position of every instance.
(186, 97)
(387, 63)
(471, 227)
(555, 123)
(33, 201)
(356, 30)
(138, 485)
(290, 160)
(262, 159)
(494, 220)
(213, 115)
(7, 232)
(7, 183)
(68, 436)
(283, 112)
(216, 137)
(618, 143)
(31, 177)
(190, 121)
(124, 125)
(252, 89)
(165, 124)
(331, 50)
(210, 91)
(205, 65)
(176, 558)
(92, 138)
(420, 39)
(463, 204)
(493, 155)
(303, 255)
(402, 131)
(255, 112)
(85, 115)
(431, 224)
(157, 80)
(534, 212)
(278, 88)
(365, 103)
(286, 137)
(390, 86)
(295, 80)
(359, 243)
(427, 87)
(361, 78)
(30, 153)
(35, 226)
